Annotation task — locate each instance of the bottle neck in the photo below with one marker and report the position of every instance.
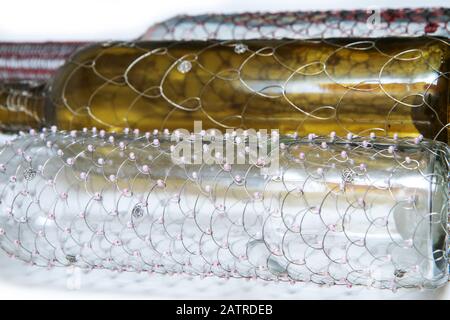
(25, 69)
(23, 104)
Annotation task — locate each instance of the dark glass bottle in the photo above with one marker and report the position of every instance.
(387, 86)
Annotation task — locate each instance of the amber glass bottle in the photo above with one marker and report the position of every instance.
(386, 86)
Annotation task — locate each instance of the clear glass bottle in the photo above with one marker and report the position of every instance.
(337, 212)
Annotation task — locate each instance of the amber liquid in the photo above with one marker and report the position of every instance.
(386, 86)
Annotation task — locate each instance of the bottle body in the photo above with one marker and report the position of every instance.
(339, 213)
(386, 85)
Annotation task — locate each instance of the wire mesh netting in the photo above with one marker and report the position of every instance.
(336, 211)
(370, 23)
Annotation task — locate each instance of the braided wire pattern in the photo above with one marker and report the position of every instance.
(338, 211)
(304, 25)
(35, 62)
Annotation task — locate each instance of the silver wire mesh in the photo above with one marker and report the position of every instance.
(338, 211)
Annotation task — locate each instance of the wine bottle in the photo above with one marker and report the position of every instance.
(371, 213)
(388, 86)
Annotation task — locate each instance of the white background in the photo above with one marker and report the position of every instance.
(127, 19)
(43, 20)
